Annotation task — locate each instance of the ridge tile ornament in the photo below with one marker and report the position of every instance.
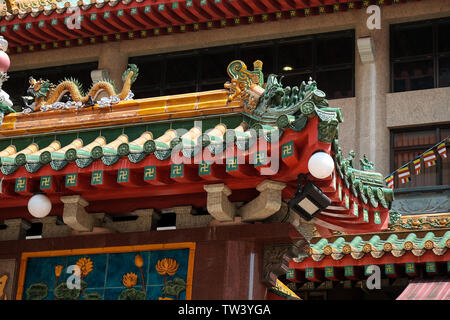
(47, 96)
(270, 103)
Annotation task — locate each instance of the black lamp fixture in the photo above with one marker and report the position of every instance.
(308, 200)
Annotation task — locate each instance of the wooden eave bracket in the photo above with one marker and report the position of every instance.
(74, 214)
(217, 202)
(267, 203)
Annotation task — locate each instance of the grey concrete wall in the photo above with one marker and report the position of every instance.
(347, 137)
(421, 107)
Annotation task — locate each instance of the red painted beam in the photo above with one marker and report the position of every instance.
(288, 4)
(49, 35)
(48, 29)
(228, 9)
(134, 24)
(118, 23)
(186, 15)
(171, 17)
(105, 25)
(31, 36)
(95, 28)
(316, 3)
(15, 36)
(271, 5)
(213, 10)
(160, 176)
(249, 8)
(145, 19)
(159, 18)
(299, 4)
(70, 33)
(13, 39)
(201, 12)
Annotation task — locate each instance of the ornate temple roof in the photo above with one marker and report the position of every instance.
(151, 149)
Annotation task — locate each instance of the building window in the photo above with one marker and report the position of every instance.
(17, 84)
(406, 145)
(420, 55)
(327, 58)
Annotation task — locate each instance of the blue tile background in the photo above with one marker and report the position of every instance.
(108, 270)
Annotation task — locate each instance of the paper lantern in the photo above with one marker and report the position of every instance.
(320, 165)
(39, 205)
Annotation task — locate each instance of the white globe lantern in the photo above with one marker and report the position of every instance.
(320, 165)
(39, 205)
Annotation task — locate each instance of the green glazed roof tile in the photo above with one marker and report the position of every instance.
(338, 244)
(377, 245)
(442, 243)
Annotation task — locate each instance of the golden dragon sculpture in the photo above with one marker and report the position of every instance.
(43, 92)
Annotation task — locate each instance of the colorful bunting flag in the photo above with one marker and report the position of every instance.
(417, 166)
(429, 158)
(404, 175)
(390, 181)
(442, 150)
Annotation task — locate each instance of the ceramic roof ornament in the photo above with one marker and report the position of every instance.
(4, 58)
(5, 102)
(46, 95)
